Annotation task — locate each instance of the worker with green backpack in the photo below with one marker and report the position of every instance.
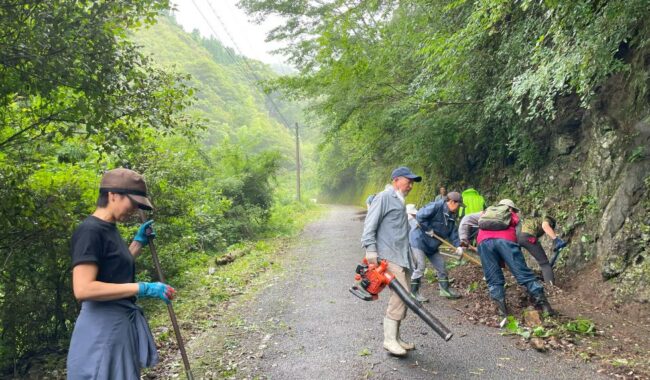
(497, 242)
(531, 231)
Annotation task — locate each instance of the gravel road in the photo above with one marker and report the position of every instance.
(310, 327)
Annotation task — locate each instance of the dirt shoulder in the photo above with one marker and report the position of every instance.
(620, 343)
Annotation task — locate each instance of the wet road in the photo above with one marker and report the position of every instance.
(310, 327)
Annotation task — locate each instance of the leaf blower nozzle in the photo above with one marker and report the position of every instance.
(372, 279)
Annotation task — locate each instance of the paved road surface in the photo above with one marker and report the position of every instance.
(315, 329)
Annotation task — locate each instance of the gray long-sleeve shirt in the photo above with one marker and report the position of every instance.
(386, 229)
(468, 227)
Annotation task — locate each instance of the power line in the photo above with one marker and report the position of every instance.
(227, 49)
(248, 65)
(237, 62)
(256, 83)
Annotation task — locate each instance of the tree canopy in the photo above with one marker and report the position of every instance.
(474, 82)
(87, 86)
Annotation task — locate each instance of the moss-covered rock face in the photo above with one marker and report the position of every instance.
(621, 221)
(623, 238)
(634, 282)
(564, 144)
(597, 186)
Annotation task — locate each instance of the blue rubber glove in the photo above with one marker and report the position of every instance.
(156, 290)
(142, 236)
(558, 244)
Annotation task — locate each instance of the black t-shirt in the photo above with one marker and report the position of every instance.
(97, 241)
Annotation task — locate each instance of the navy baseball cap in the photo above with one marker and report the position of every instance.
(403, 171)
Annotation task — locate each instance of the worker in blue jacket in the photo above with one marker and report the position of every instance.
(438, 217)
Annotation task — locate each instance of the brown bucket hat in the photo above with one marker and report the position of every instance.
(126, 181)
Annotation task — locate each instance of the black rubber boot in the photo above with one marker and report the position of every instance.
(415, 285)
(542, 303)
(502, 308)
(446, 291)
(415, 290)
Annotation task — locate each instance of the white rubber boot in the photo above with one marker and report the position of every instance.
(390, 337)
(405, 345)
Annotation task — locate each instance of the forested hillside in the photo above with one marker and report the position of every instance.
(228, 97)
(544, 102)
(90, 86)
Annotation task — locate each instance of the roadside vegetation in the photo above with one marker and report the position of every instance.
(458, 90)
(80, 95)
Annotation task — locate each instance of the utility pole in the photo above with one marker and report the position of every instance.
(297, 164)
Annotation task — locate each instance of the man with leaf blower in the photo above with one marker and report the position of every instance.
(111, 337)
(386, 237)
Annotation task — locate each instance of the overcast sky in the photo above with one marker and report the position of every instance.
(248, 36)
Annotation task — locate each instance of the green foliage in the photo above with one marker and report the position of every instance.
(512, 327)
(228, 98)
(77, 97)
(453, 87)
(637, 154)
(36, 227)
(541, 332)
(67, 70)
(581, 326)
(619, 362)
(71, 86)
(451, 264)
(429, 276)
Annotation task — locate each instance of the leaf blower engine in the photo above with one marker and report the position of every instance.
(372, 279)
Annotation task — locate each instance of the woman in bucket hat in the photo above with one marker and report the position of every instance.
(111, 338)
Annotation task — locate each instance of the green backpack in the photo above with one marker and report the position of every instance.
(495, 218)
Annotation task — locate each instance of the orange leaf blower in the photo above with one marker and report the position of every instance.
(372, 279)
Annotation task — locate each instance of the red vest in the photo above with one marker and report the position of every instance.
(507, 234)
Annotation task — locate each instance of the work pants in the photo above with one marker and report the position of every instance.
(532, 245)
(436, 260)
(396, 307)
(492, 251)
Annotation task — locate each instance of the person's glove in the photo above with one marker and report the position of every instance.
(558, 244)
(142, 236)
(459, 251)
(464, 243)
(156, 290)
(371, 257)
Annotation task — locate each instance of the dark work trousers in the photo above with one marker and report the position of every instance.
(492, 251)
(536, 250)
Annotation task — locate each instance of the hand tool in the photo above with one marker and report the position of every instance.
(448, 244)
(170, 308)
